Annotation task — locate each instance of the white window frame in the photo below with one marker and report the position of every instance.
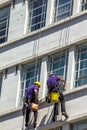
(42, 23)
(25, 70)
(78, 62)
(83, 5)
(57, 61)
(55, 19)
(4, 19)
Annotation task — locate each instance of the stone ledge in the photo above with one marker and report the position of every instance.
(68, 92)
(71, 120)
(52, 25)
(10, 111)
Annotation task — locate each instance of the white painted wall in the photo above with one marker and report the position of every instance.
(18, 52)
(75, 107)
(17, 20)
(51, 40)
(9, 90)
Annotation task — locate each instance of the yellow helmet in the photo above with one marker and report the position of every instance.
(37, 83)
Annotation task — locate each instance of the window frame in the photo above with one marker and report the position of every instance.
(80, 75)
(56, 8)
(25, 70)
(64, 58)
(83, 5)
(4, 19)
(37, 25)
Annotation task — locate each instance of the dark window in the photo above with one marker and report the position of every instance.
(37, 14)
(4, 23)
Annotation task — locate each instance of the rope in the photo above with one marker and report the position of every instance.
(38, 41)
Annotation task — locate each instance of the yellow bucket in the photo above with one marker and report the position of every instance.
(55, 97)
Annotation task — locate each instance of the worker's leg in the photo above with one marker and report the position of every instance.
(35, 118)
(63, 109)
(55, 112)
(27, 116)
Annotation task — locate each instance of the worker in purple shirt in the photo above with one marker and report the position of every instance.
(53, 86)
(31, 97)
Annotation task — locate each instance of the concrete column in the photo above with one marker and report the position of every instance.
(50, 8)
(66, 127)
(26, 28)
(71, 67)
(76, 6)
(19, 85)
(43, 77)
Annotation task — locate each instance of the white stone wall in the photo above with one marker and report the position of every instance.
(9, 90)
(75, 107)
(51, 40)
(20, 49)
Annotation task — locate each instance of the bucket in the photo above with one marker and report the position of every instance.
(55, 97)
(34, 106)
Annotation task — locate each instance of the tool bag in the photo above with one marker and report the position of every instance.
(34, 106)
(55, 97)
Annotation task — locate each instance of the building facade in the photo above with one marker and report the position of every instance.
(36, 38)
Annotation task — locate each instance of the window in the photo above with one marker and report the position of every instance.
(30, 74)
(84, 5)
(58, 64)
(57, 128)
(62, 10)
(37, 14)
(82, 125)
(4, 23)
(0, 83)
(81, 66)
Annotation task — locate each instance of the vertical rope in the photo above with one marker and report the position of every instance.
(39, 36)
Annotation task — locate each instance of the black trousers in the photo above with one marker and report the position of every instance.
(62, 101)
(28, 111)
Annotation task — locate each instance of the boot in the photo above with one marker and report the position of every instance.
(54, 118)
(65, 114)
(26, 124)
(34, 124)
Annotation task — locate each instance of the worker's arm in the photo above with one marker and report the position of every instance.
(36, 95)
(63, 81)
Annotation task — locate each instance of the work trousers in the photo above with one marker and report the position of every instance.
(62, 101)
(28, 111)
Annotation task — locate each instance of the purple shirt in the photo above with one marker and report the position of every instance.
(52, 81)
(30, 91)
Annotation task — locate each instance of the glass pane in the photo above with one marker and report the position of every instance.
(58, 64)
(63, 9)
(81, 65)
(2, 40)
(83, 72)
(84, 56)
(30, 74)
(4, 23)
(37, 14)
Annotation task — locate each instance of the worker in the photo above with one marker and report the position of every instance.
(53, 86)
(31, 96)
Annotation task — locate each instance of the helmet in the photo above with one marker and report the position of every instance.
(51, 73)
(37, 83)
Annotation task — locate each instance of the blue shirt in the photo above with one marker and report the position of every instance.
(30, 91)
(53, 80)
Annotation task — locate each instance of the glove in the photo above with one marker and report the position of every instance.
(36, 101)
(48, 99)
